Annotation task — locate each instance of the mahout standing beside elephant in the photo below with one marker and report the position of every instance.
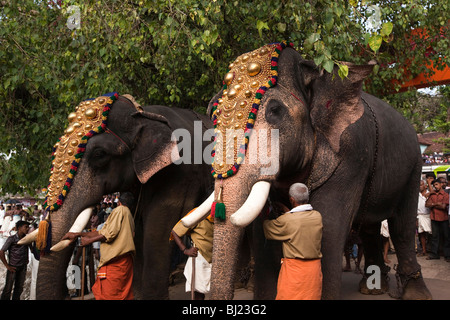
(129, 148)
(300, 230)
(358, 156)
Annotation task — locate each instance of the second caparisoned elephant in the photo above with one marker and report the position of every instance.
(126, 148)
(358, 156)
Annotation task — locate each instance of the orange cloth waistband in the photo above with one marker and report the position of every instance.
(300, 280)
(114, 280)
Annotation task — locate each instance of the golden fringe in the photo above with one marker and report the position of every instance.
(41, 239)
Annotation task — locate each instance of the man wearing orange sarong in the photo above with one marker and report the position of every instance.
(300, 229)
(115, 270)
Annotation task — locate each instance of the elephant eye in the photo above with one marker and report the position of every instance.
(99, 153)
(98, 158)
(275, 112)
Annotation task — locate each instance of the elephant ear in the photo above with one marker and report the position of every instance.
(153, 147)
(335, 103)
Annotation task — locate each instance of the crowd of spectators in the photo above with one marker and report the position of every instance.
(12, 215)
(436, 158)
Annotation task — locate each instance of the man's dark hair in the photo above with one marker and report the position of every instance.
(21, 223)
(127, 199)
(430, 174)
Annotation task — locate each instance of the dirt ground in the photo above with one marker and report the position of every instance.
(436, 274)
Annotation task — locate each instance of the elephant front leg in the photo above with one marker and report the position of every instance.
(373, 262)
(337, 207)
(155, 268)
(332, 253)
(402, 232)
(267, 254)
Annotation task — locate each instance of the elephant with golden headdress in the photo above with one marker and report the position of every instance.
(359, 157)
(114, 145)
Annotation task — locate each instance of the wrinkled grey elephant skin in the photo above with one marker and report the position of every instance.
(136, 158)
(361, 160)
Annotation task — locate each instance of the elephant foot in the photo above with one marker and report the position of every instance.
(412, 287)
(371, 290)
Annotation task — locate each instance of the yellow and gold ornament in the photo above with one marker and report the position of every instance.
(90, 118)
(244, 85)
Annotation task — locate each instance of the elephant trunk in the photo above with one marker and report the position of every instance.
(74, 213)
(228, 236)
(227, 239)
(51, 280)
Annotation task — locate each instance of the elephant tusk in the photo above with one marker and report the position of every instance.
(78, 226)
(29, 238)
(252, 206)
(199, 214)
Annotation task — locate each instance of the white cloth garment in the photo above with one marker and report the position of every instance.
(384, 229)
(202, 274)
(421, 209)
(34, 265)
(424, 223)
(302, 207)
(423, 216)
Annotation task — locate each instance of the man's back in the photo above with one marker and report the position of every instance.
(118, 230)
(301, 233)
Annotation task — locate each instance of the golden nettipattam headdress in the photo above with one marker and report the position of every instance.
(90, 118)
(248, 78)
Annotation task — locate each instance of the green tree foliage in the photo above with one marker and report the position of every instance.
(176, 52)
(442, 121)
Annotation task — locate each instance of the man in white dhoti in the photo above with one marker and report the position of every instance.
(7, 225)
(201, 253)
(384, 231)
(423, 218)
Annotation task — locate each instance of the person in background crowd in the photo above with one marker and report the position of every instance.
(109, 208)
(438, 202)
(34, 263)
(96, 224)
(384, 231)
(101, 213)
(17, 262)
(423, 218)
(429, 178)
(353, 240)
(2, 214)
(445, 187)
(7, 221)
